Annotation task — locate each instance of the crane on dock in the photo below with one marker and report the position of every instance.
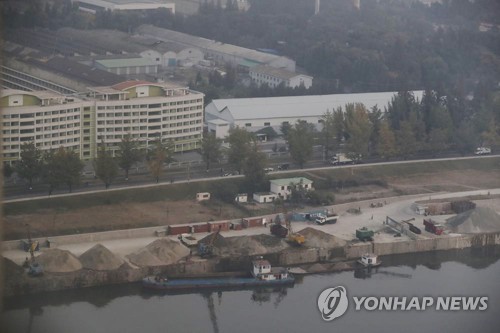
(34, 267)
(207, 249)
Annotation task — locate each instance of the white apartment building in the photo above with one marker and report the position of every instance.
(142, 109)
(48, 119)
(273, 77)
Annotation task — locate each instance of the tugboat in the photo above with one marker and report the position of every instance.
(369, 260)
(262, 274)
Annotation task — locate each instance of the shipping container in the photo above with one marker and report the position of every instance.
(179, 229)
(252, 222)
(218, 225)
(199, 227)
(236, 225)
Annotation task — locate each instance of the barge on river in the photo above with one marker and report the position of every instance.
(262, 274)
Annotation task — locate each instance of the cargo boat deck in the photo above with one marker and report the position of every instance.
(262, 275)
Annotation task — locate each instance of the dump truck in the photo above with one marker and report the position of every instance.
(326, 219)
(278, 230)
(363, 234)
(433, 227)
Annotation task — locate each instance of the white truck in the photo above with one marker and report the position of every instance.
(483, 151)
(341, 159)
(328, 219)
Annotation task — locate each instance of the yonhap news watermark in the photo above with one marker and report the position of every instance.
(334, 302)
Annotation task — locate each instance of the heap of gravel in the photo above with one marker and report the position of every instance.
(59, 261)
(478, 220)
(160, 252)
(250, 245)
(320, 239)
(100, 258)
(219, 240)
(11, 268)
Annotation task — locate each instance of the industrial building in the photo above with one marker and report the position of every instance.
(129, 67)
(219, 52)
(257, 113)
(274, 77)
(93, 6)
(142, 109)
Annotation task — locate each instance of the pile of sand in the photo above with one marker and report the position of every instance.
(160, 252)
(58, 261)
(219, 240)
(99, 258)
(11, 268)
(319, 239)
(478, 220)
(250, 245)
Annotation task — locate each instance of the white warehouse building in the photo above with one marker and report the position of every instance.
(257, 113)
(128, 5)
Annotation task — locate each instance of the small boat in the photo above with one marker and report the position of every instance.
(369, 260)
(262, 274)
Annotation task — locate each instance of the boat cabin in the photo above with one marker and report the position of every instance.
(369, 259)
(262, 270)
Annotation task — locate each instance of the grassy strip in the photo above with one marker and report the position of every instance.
(323, 179)
(172, 192)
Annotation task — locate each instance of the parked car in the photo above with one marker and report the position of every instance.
(268, 169)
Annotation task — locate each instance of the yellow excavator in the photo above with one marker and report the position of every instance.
(34, 267)
(292, 237)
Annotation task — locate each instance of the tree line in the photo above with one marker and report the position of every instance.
(62, 166)
(384, 46)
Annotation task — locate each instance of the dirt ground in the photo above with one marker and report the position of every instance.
(137, 215)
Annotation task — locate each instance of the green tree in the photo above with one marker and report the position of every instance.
(301, 141)
(358, 128)
(128, 154)
(30, 164)
(285, 129)
(105, 166)
(386, 143)
(62, 166)
(328, 133)
(255, 176)
(406, 141)
(8, 170)
(465, 138)
(239, 143)
(210, 149)
(437, 140)
(159, 153)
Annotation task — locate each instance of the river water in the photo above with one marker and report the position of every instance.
(127, 308)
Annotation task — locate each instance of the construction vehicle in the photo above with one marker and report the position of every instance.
(293, 238)
(34, 267)
(363, 234)
(207, 249)
(286, 231)
(343, 159)
(328, 219)
(279, 230)
(433, 227)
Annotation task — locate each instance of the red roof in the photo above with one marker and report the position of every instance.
(129, 84)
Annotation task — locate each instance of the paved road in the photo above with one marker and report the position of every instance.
(215, 174)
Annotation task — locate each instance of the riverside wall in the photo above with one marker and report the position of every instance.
(17, 282)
